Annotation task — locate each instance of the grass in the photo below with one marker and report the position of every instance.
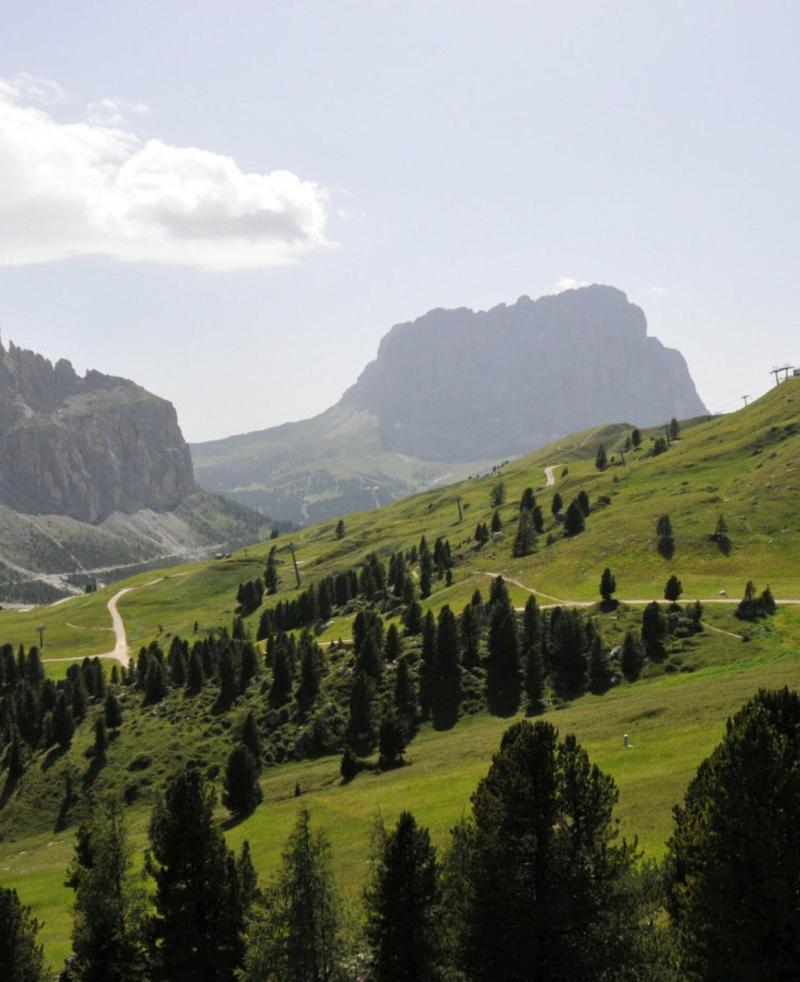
(744, 465)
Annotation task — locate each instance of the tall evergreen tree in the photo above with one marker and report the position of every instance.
(63, 723)
(469, 634)
(427, 665)
(525, 539)
(403, 928)
(557, 505)
(533, 663)
(251, 737)
(631, 658)
(295, 935)
(112, 711)
(601, 459)
(653, 628)
(599, 669)
(405, 697)
(393, 647)
(673, 589)
(200, 901)
(546, 890)
(608, 587)
(391, 740)
(502, 664)
(108, 936)
(361, 724)
(574, 522)
(242, 791)
(733, 861)
(446, 681)
(21, 954)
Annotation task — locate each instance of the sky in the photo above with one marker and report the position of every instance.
(232, 203)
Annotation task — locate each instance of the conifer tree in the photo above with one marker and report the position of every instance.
(538, 520)
(361, 724)
(653, 627)
(497, 523)
(402, 899)
(310, 670)
(194, 674)
(100, 738)
(601, 459)
(673, 589)
(242, 791)
(574, 522)
(557, 505)
(533, 663)
(251, 737)
(599, 668)
(281, 688)
(666, 540)
(393, 647)
(391, 740)
(21, 954)
(428, 657)
(528, 500)
(636, 438)
(502, 664)
(568, 654)
(15, 760)
(412, 619)
(340, 529)
(108, 936)
(608, 587)
(200, 900)
(295, 935)
(405, 697)
(583, 503)
(631, 657)
(674, 429)
(469, 636)
(155, 688)
(63, 723)
(446, 676)
(525, 539)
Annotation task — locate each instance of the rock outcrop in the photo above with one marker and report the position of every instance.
(453, 391)
(85, 447)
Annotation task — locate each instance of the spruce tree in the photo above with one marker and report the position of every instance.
(653, 628)
(340, 529)
(412, 619)
(155, 688)
(446, 676)
(405, 697)
(360, 733)
(497, 523)
(242, 791)
(599, 669)
(200, 902)
(601, 459)
(402, 899)
(295, 935)
(108, 929)
(100, 738)
(533, 663)
(636, 438)
(251, 737)
(502, 664)
(574, 522)
(608, 587)
(281, 688)
(666, 540)
(428, 657)
(112, 711)
(63, 723)
(391, 740)
(469, 635)
(528, 500)
(631, 657)
(583, 502)
(194, 674)
(525, 539)
(673, 589)
(393, 647)
(21, 954)
(558, 504)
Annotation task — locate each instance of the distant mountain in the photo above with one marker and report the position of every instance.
(453, 391)
(95, 477)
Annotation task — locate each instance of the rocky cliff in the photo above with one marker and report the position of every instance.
(85, 447)
(452, 391)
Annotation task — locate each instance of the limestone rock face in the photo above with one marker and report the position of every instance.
(453, 392)
(85, 447)
(462, 385)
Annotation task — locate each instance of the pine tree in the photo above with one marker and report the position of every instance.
(733, 861)
(391, 740)
(194, 675)
(200, 902)
(446, 675)
(281, 688)
(574, 522)
(403, 927)
(543, 836)
(533, 663)
(528, 500)
(608, 587)
(673, 589)
(601, 459)
(636, 438)
(361, 724)
(100, 738)
(108, 937)
(502, 664)
(469, 635)
(653, 628)
(538, 520)
(599, 669)
(666, 541)
(631, 658)
(525, 539)
(568, 654)
(112, 711)
(21, 955)
(251, 737)
(155, 687)
(63, 723)
(340, 529)
(583, 502)
(721, 536)
(15, 760)
(271, 573)
(295, 935)
(405, 697)
(393, 647)
(412, 619)
(242, 791)
(557, 505)
(674, 429)
(498, 495)
(310, 671)
(497, 523)
(428, 657)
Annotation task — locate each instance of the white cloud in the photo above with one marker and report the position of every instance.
(568, 283)
(96, 188)
(657, 291)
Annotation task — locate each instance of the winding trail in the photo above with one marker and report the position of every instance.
(549, 475)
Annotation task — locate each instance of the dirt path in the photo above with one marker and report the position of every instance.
(549, 475)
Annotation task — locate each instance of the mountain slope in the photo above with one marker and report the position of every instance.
(95, 476)
(453, 391)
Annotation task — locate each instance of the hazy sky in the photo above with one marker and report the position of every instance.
(232, 203)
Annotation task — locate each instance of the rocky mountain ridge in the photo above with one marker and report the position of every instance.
(453, 391)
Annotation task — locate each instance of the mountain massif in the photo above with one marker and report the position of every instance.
(95, 474)
(452, 392)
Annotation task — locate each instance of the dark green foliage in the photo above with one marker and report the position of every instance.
(446, 674)
(497, 523)
(403, 929)
(100, 737)
(666, 540)
(370, 657)
(281, 688)
(341, 529)
(574, 522)
(469, 636)
(271, 573)
(481, 533)
(412, 619)
(503, 682)
(674, 429)
(63, 723)
(428, 654)
(249, 596)
(201, 896)
(601, 458)
(583, 501)
(528, 500)
(721, 536)
(600, 676)
(752, 607)
(608, 586)
(654, 628)
(393, 648)
(155, 688)
(15, 761)
(311, 664)
(350, 765)
(194, 674)
(733, 862)
(636, 438)
(108, 936)
(361, 724)
(531, 650)
(391, 740)
(557, 505)
(21, 956)
(498, 495)
(538, 520)
(242, 791)
(251, 737)
(544, 891)
(568, 654)
(525, 539)
(673, 589)
(631, 658)
(659, 446)
(295, 935)
(405, 697)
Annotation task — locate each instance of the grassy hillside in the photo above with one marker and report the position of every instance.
(744, 466)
